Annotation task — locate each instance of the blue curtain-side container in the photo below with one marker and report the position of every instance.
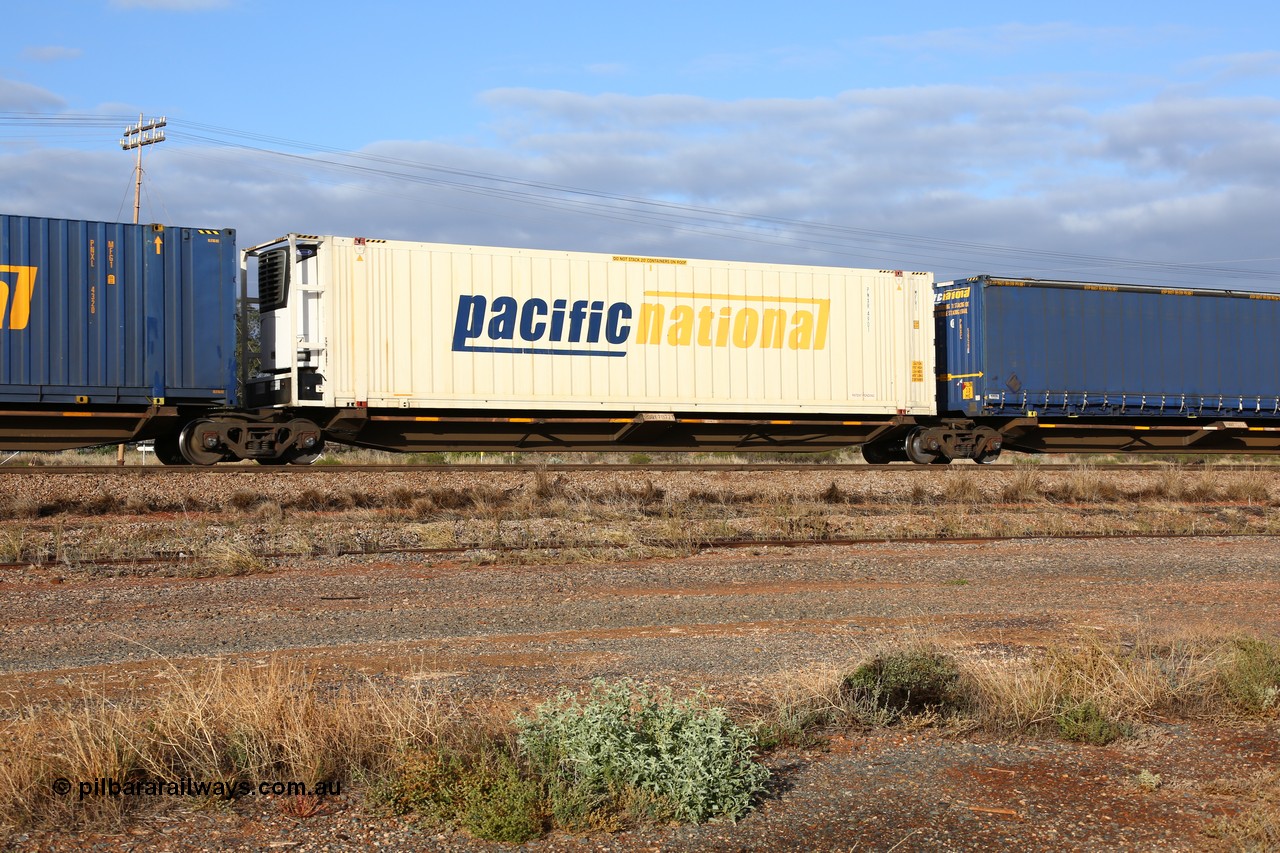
(116, 313)
(1009, 347)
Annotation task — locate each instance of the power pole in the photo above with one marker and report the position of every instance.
(145, 132)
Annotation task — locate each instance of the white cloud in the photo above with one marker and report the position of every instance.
(51, 53)
(1169, 178)
(1239, 66)
(23, 97)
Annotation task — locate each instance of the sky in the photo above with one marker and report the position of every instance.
(1128, 142)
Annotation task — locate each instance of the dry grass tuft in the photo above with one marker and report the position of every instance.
(918, 495)
(546, 488)
(1201, 489)
(648, 495)
(1248, 487)
(1257, 827)
(484, 501)
(800, 706)
(719, 497)
(221, 723)
(401, 497)
(102, 503)
(833, 494)
(1092, 690)
(137, 505)
(1086, 485)
(13, 545)
(312, 500)
(961, 487)
(363, 500)
(243, 501)
(20, 507)
(1022, 487)
(230, 559)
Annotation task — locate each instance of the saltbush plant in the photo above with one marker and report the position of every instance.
(624, 751)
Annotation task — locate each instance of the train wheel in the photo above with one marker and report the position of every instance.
(917, 452)
(166, 447)
(191, 443)
(308, 457)
(987, 457)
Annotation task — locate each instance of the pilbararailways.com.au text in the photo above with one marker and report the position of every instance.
(225, 789)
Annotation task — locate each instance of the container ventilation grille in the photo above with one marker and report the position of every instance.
(273, 280)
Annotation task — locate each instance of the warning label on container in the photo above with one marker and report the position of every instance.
(630, 260)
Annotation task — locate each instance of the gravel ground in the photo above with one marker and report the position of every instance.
(737, 624)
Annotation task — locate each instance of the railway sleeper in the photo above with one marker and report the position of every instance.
(207, 441)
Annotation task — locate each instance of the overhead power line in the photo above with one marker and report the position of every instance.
(811, 234)
(869, 245)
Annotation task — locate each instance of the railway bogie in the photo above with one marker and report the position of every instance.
(232, 437)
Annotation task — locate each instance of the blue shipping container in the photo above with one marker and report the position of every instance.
(1049, 348)
(116, 313)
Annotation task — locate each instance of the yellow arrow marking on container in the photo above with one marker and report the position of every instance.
(947, 377)
(159, 243)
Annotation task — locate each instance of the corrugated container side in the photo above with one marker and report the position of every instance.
(1074, 348)
(417, 325)
(116, 313)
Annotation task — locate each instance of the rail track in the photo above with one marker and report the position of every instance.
(694, 545)
(335, 470)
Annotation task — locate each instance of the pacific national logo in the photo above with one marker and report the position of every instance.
(666, 318)
(17, 284)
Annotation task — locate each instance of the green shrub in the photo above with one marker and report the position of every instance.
(498, 803)
(1083, 722)
(622, 750)
(433, 457)
(911, 680)
(1250, 676)
(480, 789)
